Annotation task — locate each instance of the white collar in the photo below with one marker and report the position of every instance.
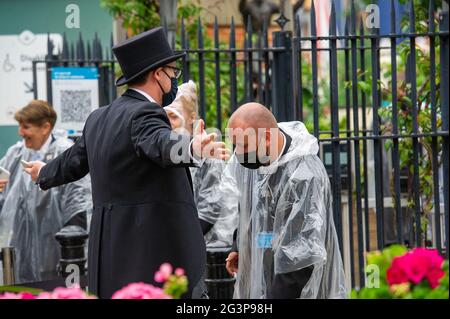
(148, 97)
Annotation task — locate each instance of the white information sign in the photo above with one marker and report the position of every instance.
(16, 75)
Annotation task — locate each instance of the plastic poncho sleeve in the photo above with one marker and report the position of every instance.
(7, 163)
(217, 200)
(210, 203)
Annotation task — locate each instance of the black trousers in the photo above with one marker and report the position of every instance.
(289, 285)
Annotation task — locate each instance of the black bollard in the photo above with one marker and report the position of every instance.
(73, 242)
(219, 283)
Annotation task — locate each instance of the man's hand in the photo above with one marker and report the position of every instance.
(3, 183)
(232, 263)
(203, 145)
(33, 169)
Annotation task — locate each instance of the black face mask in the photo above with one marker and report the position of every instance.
(169, 97)
(250, 160)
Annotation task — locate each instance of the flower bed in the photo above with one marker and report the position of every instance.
(397, 273)
(174, 286)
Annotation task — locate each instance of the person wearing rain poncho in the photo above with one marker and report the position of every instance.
(30, 217)
(286, 243)
(217, 215)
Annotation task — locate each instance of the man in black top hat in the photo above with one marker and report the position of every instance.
(144, 212)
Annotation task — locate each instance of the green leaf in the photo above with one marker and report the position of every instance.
(388, 144)
(365, 87)
(19, 289)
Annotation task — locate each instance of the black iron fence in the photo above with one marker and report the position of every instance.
(380, 195)
(412, 223)
(411, 119)
(383, 129)
(81, 53)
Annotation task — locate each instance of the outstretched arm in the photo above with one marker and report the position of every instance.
(154, 139)
(69, 166)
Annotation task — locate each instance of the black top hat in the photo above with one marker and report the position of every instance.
(143, 52)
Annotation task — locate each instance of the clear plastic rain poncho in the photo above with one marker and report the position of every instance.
(214, 205)
(286, 222)
(30, 217)
(214, 208)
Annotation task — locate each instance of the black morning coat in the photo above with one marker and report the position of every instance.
(144, 212)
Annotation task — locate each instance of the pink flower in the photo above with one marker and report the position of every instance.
(65, 293)
(22, 295)
(429, 259)
(164, 272)
(415, 266)
(27, 295)
(166, 269)
(159, 277)
(45, 295)
(434, 276)
(435, 260)
(140, 291)
(396, 273)
(179, 272)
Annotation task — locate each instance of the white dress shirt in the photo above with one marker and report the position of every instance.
(148, 97)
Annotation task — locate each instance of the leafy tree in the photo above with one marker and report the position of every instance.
(141, 15)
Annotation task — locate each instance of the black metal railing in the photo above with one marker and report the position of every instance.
(355, 47)
(253, 60)
(80, 53)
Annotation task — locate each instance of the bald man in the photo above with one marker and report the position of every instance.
(286, 243)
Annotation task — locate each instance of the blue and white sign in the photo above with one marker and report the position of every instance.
(75, 96)
(264, 240)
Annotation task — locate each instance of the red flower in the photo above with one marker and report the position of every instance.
(396, 273)
(21, 295)
(434, 276)
(415, 266)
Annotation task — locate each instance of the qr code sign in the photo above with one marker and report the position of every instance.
(76, 105)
